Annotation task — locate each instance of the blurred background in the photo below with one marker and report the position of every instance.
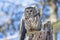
(11, 12)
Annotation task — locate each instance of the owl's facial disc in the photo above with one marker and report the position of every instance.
(29, 12)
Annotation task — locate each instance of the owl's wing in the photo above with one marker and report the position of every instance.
(22, 30)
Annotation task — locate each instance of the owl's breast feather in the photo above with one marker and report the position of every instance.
(32, 23)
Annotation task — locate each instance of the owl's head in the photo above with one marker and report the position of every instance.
(30, 12)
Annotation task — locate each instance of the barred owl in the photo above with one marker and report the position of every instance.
(31, 21)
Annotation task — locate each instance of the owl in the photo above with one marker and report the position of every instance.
(31, 21)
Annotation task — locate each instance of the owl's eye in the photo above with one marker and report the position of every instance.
(30, 10)
(26, 11)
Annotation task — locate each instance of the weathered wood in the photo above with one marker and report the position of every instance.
(35, 35)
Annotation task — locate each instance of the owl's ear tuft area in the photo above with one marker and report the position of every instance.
(29, 8)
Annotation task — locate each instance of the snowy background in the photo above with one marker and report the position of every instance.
(11, 12)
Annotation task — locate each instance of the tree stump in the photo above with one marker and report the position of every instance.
(35, 35)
